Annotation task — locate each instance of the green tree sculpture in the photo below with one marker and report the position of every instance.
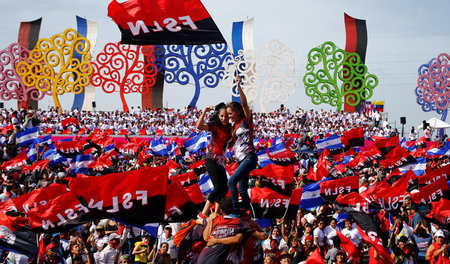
(334, 75)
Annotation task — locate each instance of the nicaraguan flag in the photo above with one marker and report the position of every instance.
(277, 141)
(445, 150)
(109, 148)
(158, 147)
(264, 158)
(152, 229)
(32, 153)
(171, 150)
(331, 142)
(27, 137)
(196, 143)
(417, 167)
(79, 163)
(205, 184)
(405, 146)
(54, 157)
(46, 139)
(311, 196)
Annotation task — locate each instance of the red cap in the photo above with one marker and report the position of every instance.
(308, 238)
(50, 246)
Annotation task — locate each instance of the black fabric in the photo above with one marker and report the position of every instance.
(218, 176)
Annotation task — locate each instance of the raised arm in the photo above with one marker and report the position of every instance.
(243, 98)
(233, 240)
(200, 123)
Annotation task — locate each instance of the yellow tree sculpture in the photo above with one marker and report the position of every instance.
(52, 67)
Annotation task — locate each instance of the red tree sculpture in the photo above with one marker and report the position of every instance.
(122, 68)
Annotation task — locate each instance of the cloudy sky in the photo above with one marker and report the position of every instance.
(402, 35)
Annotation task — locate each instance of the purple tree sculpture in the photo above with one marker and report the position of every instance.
(11, 84)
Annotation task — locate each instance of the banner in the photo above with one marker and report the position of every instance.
(28, 37)
(88, 29)
(17, 236)
(164, 22)
(133, 197)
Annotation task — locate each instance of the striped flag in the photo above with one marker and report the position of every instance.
(88, 29)
(27, 137)
(242, 39)
(80, 163)
(311, 196)
(158, 147)
(196, 143)
(417, 167)
(445, 150)
(205, 184)
(331, 142)
(46, 139)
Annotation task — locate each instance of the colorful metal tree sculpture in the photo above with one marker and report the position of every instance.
(11, 84)
(203, 64)
(52, 67)
(332, 74)
(121, 68)
(426, 105)
(434, 84)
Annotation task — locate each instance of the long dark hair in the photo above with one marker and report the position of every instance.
(215, 116)
(236, 107)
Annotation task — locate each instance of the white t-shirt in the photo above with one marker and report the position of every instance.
(353, 235)
(330, 233)
(318, 233)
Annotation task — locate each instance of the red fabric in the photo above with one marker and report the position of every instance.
(352, 251)
(315, 258)
(278, 178)
(373, 240)
(267, 203)
(430, 192)
(441, 210)
(434, 175)
(39, 197)
(339, 186)
(185, 179)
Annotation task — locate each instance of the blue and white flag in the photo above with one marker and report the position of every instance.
(417, 167)
(445, 150)
(109, 148)
(196, 143)
(205, 184)
(242, 40)
(27, 137)
(152, 229)
(331, 142)
(45, 139)
(264, 158)
(158, 147)
(171, 150)
(32, 153)
(311, 196)
(277, 141)
(79, 163)
(405, 146)
(54, 157)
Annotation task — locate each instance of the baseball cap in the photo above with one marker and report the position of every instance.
(114, 236)
(439, 233)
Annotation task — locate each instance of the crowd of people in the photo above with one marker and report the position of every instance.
(225, 231)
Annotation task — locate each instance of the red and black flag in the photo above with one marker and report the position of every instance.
(397, 157)
(34, 172)
(164, 22)
(184, 179)
(100, 167)
(69, 149)
(39, 197)
(133, 197)
(431, 193)
(195, 195)
(355, 202)
(267, 203)
(199, 167)
(385, 145)
(294, 204)
(359, 162)
(28, 38)
(369, 233)
(179, 208)
(372, 153)
(15, 235)
(441, 210)
(69, 122)
(434, 175)
(350, 153)
(16, 163)
(275, 177)
(283, 158)
(130, 150)
(353, 137)
(356, 42)
(329, 190)
(63, 212)
(353, 253)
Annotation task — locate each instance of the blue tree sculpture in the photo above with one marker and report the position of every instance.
(203, 65)
(426, 105)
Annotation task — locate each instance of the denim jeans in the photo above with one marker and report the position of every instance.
(241, 176)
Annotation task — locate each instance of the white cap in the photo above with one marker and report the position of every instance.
(114, 236)
(439, 233)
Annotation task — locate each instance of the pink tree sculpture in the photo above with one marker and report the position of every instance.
(435, 84)
(11, 84)
(121, 68)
